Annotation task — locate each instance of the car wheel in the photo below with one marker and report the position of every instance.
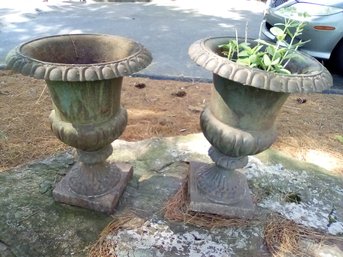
(337, 58)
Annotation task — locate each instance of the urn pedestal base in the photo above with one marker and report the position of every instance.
(103, 201)
(230, 196)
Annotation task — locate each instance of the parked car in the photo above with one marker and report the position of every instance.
(324, 26)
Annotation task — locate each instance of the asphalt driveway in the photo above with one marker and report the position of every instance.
(166, 27)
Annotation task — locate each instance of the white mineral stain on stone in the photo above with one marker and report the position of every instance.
(159, 238)
(323, 159)
(304, 214)
(197, 144)
(318, 197)
(336, 228)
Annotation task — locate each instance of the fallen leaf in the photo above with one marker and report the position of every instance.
(180, 93)
(140, 85)
(301, 100)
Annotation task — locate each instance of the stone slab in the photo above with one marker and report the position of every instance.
(30, 216)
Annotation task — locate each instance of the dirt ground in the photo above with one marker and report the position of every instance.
(310, 126)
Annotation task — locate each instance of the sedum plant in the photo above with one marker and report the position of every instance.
(264, 55)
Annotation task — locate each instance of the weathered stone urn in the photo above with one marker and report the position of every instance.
(240, 121)
(84, 74)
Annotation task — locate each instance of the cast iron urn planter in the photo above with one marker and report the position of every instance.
(84, 74)
(240, 121)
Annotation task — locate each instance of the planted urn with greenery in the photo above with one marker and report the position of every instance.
(252, 79)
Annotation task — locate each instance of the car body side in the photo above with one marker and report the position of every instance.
(322, 42)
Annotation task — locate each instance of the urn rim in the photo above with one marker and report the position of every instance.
(138, 59)
(204, 53)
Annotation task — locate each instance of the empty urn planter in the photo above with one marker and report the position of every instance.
(240, 121)
(84, 74)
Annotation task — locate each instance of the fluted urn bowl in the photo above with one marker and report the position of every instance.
(240, 120)
(84, 74)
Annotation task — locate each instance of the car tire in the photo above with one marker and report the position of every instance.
(337, 58)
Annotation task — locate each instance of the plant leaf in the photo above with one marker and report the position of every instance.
(276, 31)
(244, 61)
(276, 61)
(284, 71)
(244, 53)
(261, 41)
(253, 58)
(270, 50)
(257, 48)
(339, 138)
(266, 60)
(245, 45)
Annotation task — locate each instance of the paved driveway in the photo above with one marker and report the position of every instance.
(165, 27)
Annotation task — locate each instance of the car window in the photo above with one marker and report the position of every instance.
(276, 3)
